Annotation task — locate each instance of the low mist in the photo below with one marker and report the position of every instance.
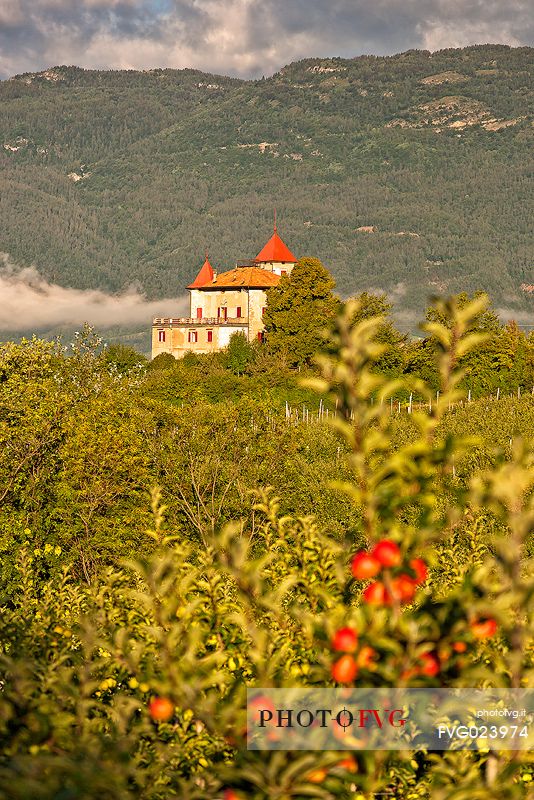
(29, 302)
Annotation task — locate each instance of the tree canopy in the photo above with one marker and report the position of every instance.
(298, 310)
(239, 353)
(377, 305)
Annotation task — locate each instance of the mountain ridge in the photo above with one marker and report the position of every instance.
(409, 174)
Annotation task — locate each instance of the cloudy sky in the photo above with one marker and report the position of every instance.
(248, 38)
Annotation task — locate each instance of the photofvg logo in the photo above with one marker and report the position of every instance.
(389, 719)
(325, 717)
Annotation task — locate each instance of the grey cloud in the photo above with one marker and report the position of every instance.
(243, 37)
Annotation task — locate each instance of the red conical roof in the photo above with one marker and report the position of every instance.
(275, 250)
(204, 277)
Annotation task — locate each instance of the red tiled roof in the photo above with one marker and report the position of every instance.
(244, 277)
(275, 250)
(204, 276)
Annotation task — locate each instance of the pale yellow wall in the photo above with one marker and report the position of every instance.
(157, 346)
(177, 341)
(257, 301)
(277, 267)
(251, 302)
(210, 301)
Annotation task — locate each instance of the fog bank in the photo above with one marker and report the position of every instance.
(29, 302)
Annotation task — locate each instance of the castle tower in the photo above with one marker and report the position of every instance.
(276, 256)
(204, 276)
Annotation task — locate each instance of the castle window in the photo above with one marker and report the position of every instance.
(222, 312)
(210, 336)
(283, 272)
(260, 336)
(263, 310)
(192, 337)
(199, 313)
(238, 311)
(161, 336)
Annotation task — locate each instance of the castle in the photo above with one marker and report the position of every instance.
(223, 304)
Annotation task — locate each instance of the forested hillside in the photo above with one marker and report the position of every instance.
(410, 174)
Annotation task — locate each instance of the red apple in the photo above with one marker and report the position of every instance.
(345, 640)
(161, 709)
(365, 658)
(429, 665)
(420, 569)
(349, 763)
(365, 566)
(387, 553)
(345, 669)
(317, 775)
(376, 594)
(258, 703)
(484, 628)
(403, 588)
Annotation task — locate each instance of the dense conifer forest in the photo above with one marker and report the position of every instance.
(410, 174)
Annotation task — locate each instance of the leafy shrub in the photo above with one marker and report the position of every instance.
(259, 602)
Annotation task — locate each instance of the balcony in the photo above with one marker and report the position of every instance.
(196, 322)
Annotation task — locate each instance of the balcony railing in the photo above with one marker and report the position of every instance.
(197, 321)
